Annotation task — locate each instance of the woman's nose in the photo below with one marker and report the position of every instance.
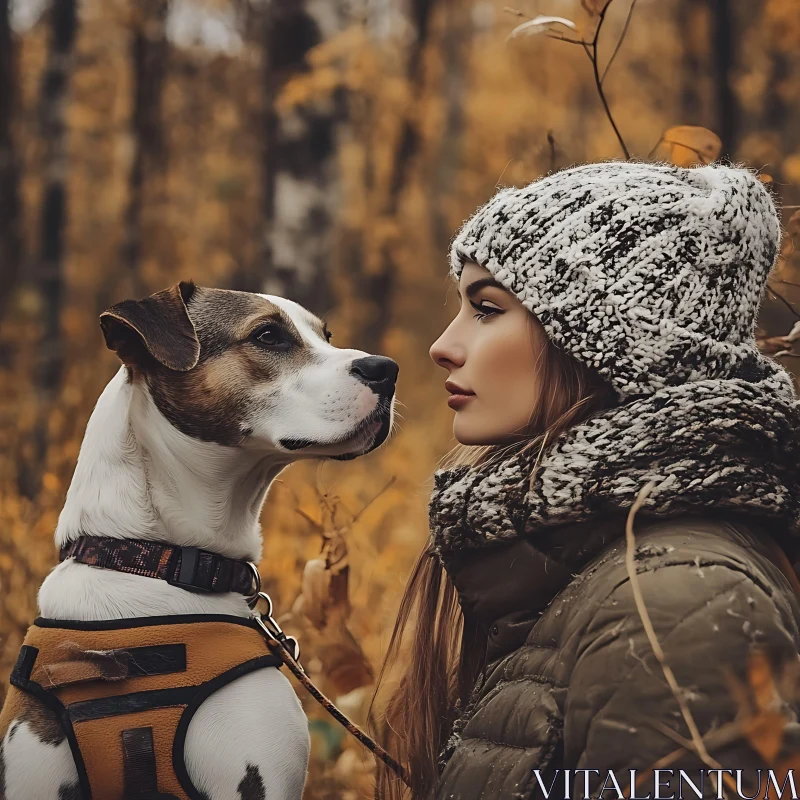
(445, 352)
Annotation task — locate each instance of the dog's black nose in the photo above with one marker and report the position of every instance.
(377, 372)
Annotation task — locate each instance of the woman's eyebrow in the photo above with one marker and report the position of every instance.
(482, 283)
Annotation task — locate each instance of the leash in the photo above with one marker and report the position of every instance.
(287, 649)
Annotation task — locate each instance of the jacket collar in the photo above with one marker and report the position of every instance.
(504, 589)
(527, 573)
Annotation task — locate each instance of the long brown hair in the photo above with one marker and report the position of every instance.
(447, 652)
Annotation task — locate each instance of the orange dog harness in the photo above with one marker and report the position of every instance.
(125, 691)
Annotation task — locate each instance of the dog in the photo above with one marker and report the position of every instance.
(218, 392)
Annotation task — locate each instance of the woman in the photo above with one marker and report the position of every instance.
(603, 354)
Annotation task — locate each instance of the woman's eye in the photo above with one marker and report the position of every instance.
(269, 335)
(484, 310)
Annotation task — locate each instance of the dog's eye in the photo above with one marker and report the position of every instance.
(269, 335)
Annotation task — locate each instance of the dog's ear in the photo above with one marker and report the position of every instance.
(158, 327)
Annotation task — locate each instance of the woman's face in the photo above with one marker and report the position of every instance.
(490, 351)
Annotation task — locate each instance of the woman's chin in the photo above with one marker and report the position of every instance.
(472, 435)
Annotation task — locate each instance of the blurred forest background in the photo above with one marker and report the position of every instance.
(327, 150)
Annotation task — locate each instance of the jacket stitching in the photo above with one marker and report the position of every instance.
(554, 727)
(596, 713)
(501, 684)
(768, 590)
(502, 744)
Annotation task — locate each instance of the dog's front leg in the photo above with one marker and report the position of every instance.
(36, 762)
(249, 741)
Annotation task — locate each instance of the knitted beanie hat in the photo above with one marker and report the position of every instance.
(650, 274)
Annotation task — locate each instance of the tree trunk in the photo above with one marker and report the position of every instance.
(10, 237)
(149, 56)
(50, 280)
(379, 287)
(455, 46)
(693, 25)
(723, 61)
(300, 175)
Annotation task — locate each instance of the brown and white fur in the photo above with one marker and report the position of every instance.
(219, 392)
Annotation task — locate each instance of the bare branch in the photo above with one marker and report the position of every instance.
(598, 82)
(370, 502)
(600, 20)
(606, 106)
(316, 525)
(619, 41)
(568, 41)
(630, 565)
(687, 745)
(782, 299)
(720, 737)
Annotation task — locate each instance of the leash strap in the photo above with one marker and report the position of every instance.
(288, 650)
(185, 567)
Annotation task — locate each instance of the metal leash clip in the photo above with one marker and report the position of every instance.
(271, 628)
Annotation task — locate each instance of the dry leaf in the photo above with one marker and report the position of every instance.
(540, 24)
(762, 681)
(759, 703)
(793, 225)
(324, 593)
(764, 732)
(314, 592)
(686, 145)
(346, 666)
(595, 7)
(770, 345)
(325, 602)
(791, 167)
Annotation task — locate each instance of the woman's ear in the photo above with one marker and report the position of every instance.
(158, 327)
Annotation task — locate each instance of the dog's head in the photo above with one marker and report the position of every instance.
(254, 371)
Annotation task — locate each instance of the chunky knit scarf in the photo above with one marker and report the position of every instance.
(725, 443)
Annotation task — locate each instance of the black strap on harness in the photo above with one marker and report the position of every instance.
(139, 768)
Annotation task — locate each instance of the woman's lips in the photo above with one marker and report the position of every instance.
(458, 397)
(457, 401)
